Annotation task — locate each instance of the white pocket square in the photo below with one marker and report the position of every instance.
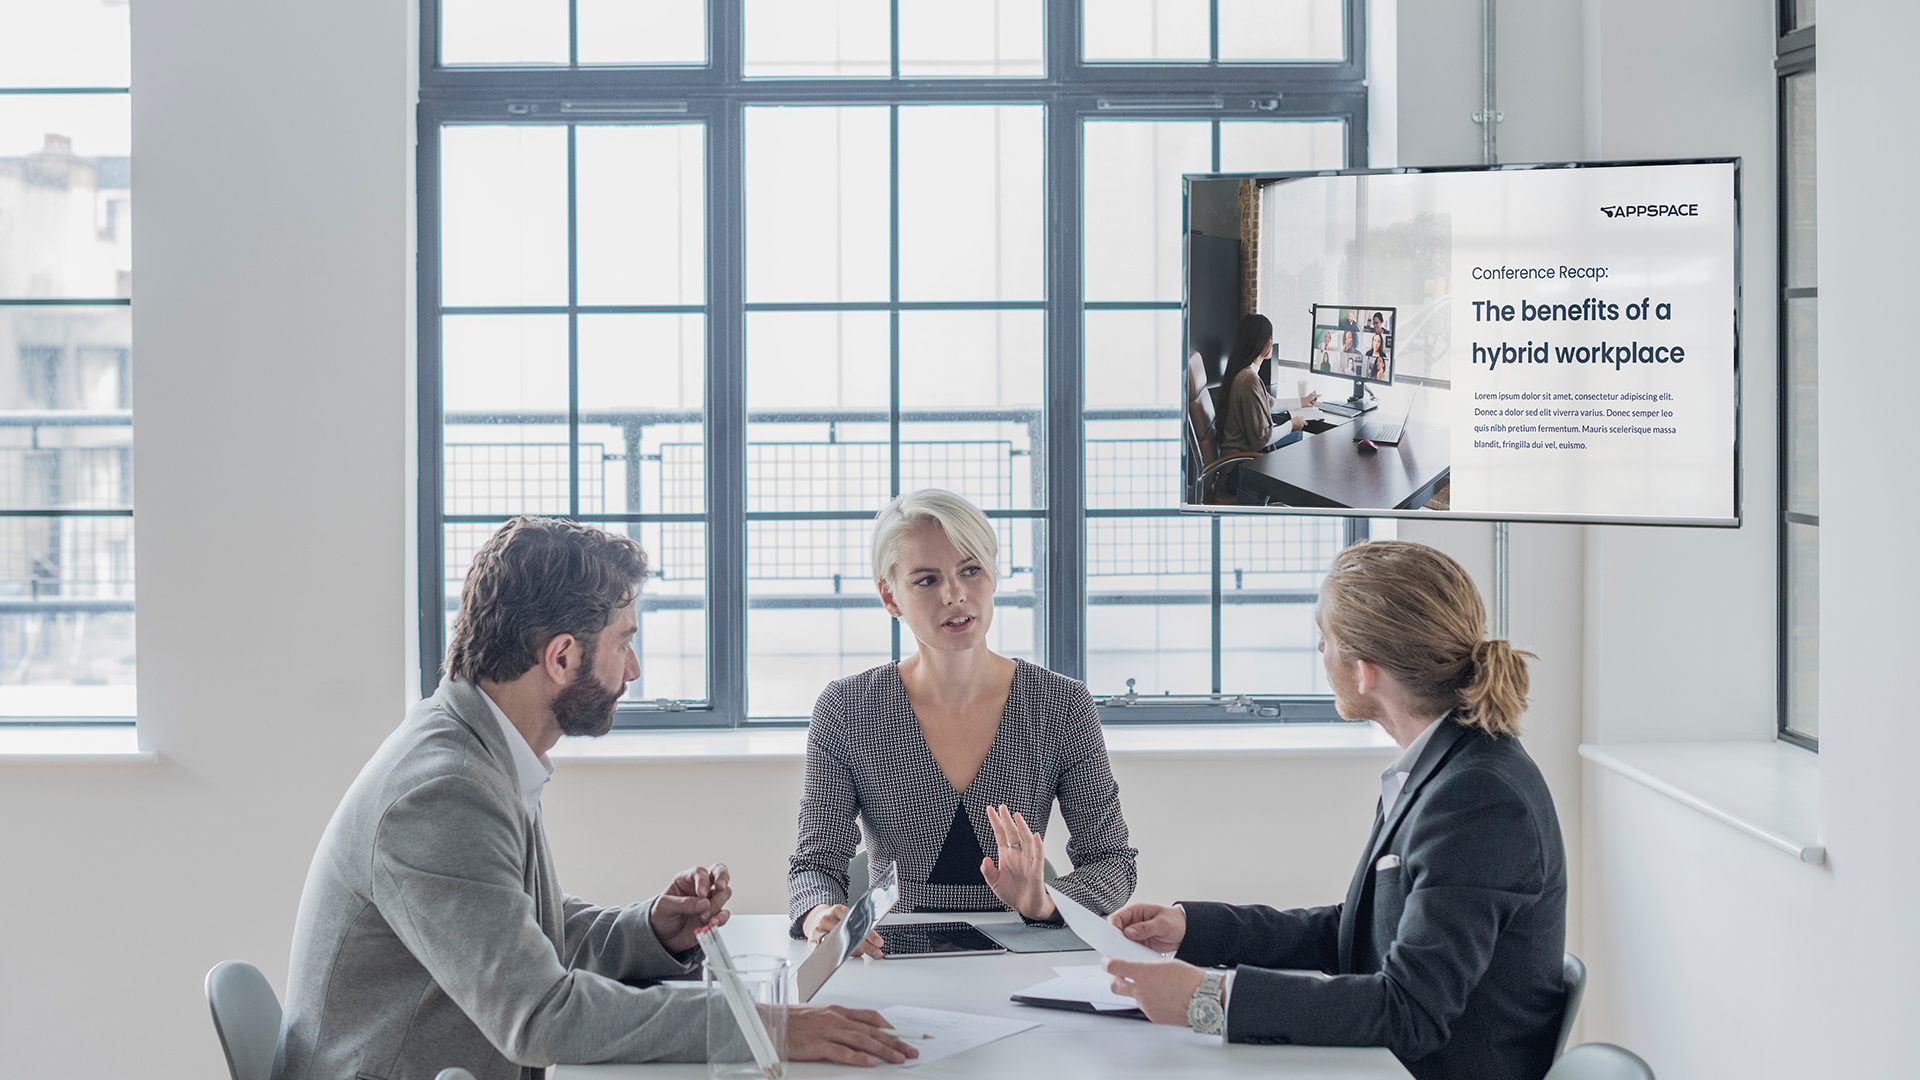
(1387, 862)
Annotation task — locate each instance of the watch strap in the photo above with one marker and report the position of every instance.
(1207, 1010)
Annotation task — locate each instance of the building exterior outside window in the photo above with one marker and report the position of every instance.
(66, 446)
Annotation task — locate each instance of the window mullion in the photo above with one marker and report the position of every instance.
(1064, 580)
(726, 413)
(893, 294)
(432, 506)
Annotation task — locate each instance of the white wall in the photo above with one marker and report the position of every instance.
(1693, 932)
(1713, 955)
(1869, 740)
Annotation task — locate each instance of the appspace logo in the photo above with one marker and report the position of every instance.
(1653, 210)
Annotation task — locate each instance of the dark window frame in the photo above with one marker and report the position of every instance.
(1793, 55)
(715, 95)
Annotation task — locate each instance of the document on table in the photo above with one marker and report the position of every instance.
(1080, 982)
(948, 1033)
(1098, 932)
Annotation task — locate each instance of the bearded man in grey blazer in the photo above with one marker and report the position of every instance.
(433, 932)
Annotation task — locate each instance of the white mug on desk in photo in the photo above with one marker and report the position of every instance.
(1302, 395)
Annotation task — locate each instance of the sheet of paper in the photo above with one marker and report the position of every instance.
(949, 1033)
(1098, 932)
(1095, 989)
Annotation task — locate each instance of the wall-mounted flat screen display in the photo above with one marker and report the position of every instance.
(1534, 343)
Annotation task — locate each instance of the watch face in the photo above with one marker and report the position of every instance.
(1205, 1015)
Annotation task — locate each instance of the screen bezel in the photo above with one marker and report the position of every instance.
(1421, 513)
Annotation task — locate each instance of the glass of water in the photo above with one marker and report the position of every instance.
(755, 986)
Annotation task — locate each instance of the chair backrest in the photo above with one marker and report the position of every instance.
(454, 1073)
(1196, 491)
(1600, 1061)
(1200, 410)
(857, 877)
(1200, 416)
(1573, 975)
(1196, 375)
(246, 1016)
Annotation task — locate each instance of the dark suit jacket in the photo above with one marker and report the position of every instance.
(1450, 956)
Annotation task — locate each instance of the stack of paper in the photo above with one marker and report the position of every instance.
(1080, 982)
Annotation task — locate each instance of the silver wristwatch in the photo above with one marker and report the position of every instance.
(1207, 1008)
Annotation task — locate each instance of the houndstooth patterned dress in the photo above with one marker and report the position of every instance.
(868, 763)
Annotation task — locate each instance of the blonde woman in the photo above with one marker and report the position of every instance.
(949, 761)
(1448, 949)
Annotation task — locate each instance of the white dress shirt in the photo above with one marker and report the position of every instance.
(531, 769)
(1394, 780)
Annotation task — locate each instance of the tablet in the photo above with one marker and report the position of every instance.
(936, 939)
(841, 942)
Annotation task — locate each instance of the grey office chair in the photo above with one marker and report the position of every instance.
(455, 1073)
(858, 875)
(246, 1016)
(1599, 1061)
(1573, 974)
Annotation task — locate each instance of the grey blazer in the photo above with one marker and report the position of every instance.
(433, 932)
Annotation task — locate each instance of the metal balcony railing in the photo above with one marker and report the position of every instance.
(809, 500)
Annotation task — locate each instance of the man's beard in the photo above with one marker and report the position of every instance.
(585, 707)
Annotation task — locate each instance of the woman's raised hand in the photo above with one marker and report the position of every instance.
(824, 917)
(1020, 877)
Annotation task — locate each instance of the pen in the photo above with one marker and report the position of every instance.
(910, 1035)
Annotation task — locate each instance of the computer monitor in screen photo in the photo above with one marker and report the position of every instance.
(1356, 343)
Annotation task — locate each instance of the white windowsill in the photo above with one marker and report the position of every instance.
(1768, 790)
(107, 743)
(1142, 741)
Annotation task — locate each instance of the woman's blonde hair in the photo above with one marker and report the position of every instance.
(964, 524)
(1414, 612)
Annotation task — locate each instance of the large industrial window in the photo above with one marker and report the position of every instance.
(66, 431)
(1799, 386)
(728, 276)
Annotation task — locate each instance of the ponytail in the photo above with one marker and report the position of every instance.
(1414, 612)
(1496, 690)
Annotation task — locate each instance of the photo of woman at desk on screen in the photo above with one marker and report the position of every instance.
(948, 762)
(1248, 420)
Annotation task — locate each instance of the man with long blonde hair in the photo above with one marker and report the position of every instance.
(1448, 948)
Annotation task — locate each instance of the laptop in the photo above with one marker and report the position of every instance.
(1382, 430)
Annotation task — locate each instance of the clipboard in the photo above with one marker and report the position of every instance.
(1075, 1006)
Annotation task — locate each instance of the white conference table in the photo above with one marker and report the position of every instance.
(1066, 1045)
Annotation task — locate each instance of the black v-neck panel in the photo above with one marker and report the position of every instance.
(959, 861)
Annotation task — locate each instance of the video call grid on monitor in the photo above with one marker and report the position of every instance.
(1353, 342)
